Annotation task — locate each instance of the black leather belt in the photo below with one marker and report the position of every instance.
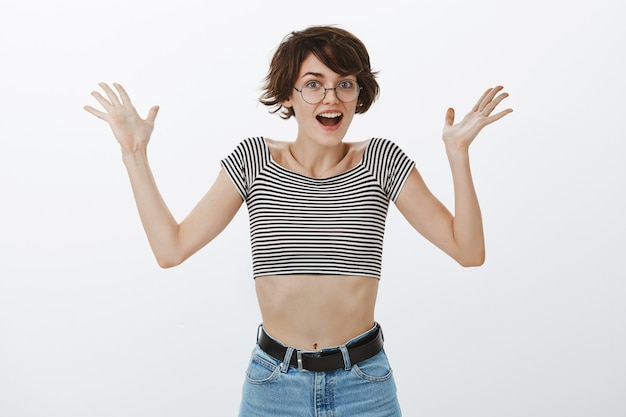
(324, 360)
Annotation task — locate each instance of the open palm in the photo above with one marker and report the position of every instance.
(462, 134)
(130, 130)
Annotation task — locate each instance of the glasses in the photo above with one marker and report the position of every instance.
(314, 92)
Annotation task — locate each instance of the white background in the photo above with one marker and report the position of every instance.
(90, 326)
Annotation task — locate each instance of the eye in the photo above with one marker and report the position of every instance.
(313, 85)
(346, 85)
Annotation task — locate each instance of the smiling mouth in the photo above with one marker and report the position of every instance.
(329, 119)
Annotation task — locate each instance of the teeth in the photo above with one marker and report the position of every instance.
(330, 115)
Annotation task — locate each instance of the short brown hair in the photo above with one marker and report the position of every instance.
(336, 48)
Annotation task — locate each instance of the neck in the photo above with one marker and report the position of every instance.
(317, 159)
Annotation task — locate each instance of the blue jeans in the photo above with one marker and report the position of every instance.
(364, 389)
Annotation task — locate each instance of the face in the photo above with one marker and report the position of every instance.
(327, 121)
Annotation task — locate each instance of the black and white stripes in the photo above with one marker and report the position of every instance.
(303, 225)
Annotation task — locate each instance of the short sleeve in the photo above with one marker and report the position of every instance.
(245, 163)
(389, 164)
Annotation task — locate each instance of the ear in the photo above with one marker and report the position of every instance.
(286, 103)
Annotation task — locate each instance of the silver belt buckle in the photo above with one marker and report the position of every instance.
(299, 354)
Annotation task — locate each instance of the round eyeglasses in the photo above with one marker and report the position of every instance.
(313, 92)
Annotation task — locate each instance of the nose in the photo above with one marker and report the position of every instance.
(333, 98)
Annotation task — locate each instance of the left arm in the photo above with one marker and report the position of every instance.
(460, 235)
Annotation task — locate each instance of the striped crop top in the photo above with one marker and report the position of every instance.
(304, 225)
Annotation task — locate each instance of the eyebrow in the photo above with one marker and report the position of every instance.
(315, 74)
(319, 75)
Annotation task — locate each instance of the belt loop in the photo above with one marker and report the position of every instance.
(258, 332)
(346, 357)
(284, 366)
(299, 360)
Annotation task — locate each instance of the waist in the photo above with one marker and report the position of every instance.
(358, 349)
(312, 312)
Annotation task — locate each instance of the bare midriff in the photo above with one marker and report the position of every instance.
(313, 312)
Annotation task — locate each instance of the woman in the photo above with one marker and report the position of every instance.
(317, 210)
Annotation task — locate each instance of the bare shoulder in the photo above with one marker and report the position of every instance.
(278, 149)
(359, 146)
(274, 144)
(357, 149)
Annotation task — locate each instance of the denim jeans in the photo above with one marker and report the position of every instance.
(364, 389)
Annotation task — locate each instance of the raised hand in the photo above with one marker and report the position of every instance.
(462, 134)
(131, 131)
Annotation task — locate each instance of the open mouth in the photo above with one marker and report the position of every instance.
(330, 118)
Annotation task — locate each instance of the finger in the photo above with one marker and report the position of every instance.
(498, 116)
(487, 97)
(494, 103)
(478, 105)
(105, 103)
(152, 114)
(450, 117)
(123, 94)
(97, 113)
(111, 94)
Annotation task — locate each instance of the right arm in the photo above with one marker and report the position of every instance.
(171, 242)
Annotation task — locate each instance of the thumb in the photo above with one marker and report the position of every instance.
(450, 117)
(152, 114)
